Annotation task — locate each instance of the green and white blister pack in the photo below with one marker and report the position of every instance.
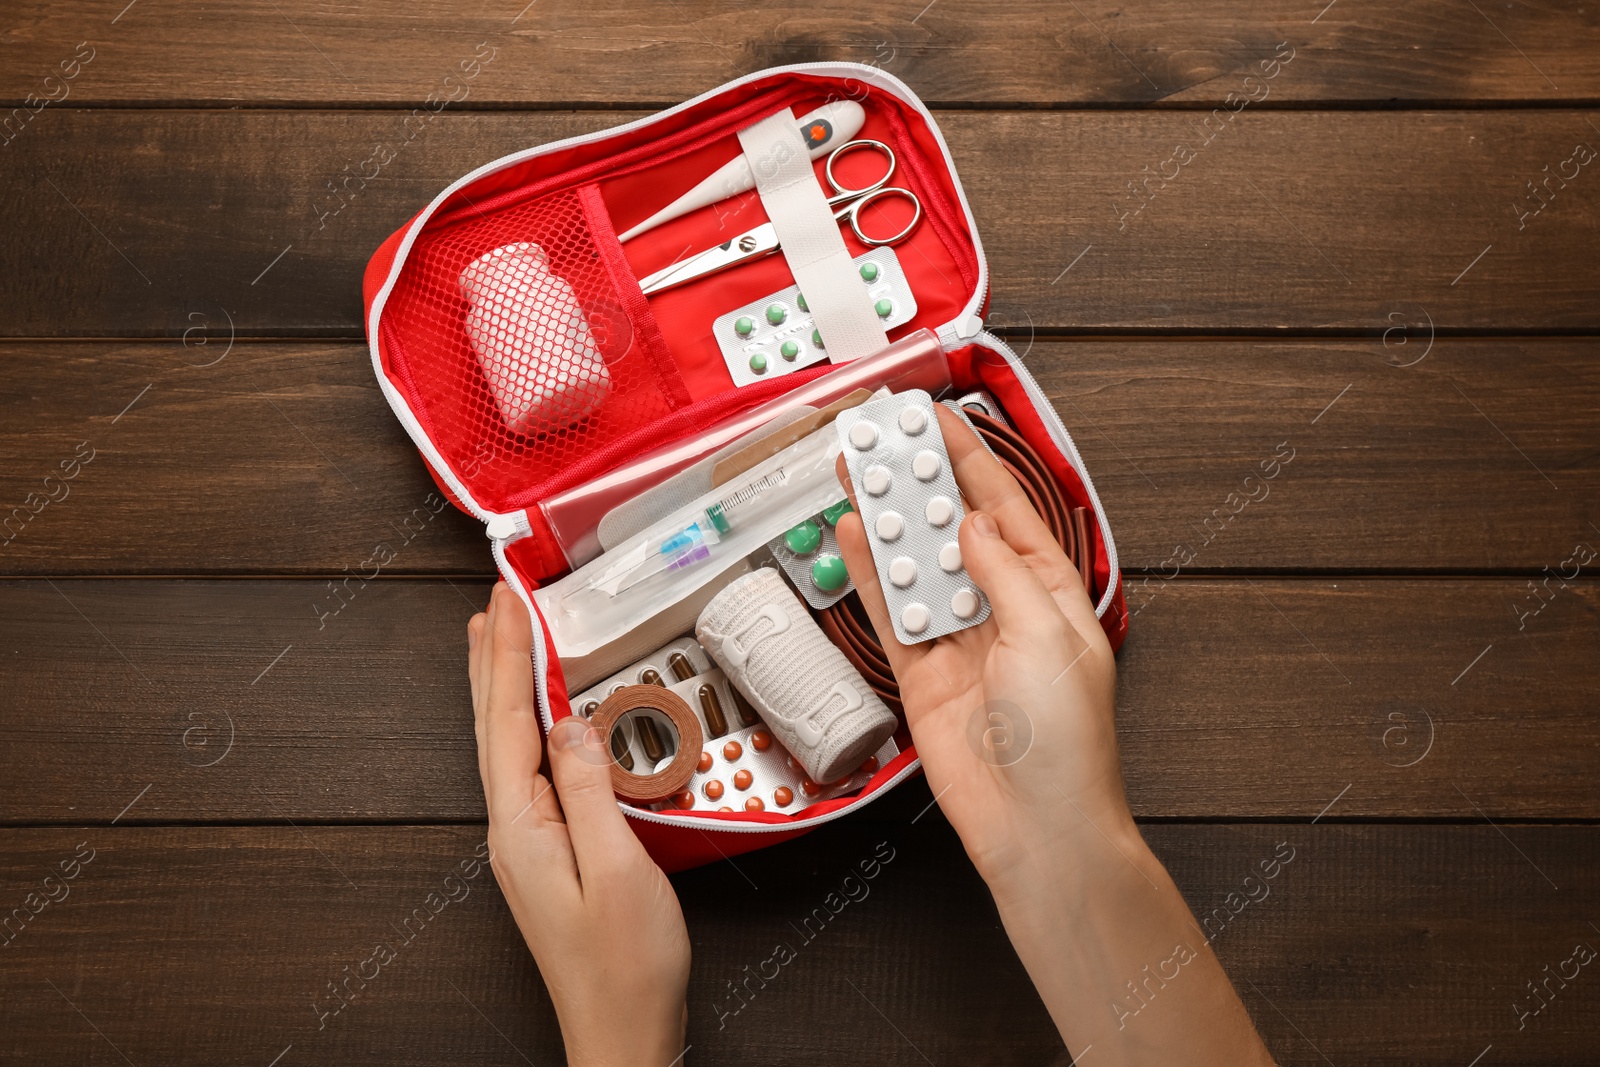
(809, 555)
(775, 336)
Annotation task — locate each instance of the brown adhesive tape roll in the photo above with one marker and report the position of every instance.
(650, 788)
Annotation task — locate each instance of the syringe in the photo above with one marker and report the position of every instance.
(608, 597)
(689, 544)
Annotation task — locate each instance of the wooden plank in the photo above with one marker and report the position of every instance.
(160, 215)
(300, 53)
(1371, 944)
(211, 457)
(1250, 699)
(283, 458)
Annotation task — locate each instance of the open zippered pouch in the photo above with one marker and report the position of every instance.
(550, 396)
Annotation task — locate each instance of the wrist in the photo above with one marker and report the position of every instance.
(1084, 849)
(627, 1040)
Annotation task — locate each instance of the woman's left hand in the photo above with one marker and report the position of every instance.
(600, 917)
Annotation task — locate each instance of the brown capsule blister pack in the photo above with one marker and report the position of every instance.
(673, 662)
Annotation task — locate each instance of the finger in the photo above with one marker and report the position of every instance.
(1022, 606)
(478, 660)
(581, 768)
(511, 726)
(476, 627)
(989, 487)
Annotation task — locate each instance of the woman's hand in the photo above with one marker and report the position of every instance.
(600, 917)
(1012, 718)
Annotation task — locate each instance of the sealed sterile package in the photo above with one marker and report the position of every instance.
(675, 557)
(545, 329)
(912, 510)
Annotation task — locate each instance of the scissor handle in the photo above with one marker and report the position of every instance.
(844, 192)
(852, 215)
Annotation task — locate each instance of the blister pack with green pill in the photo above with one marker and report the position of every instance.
(809, 556)
(774, 336)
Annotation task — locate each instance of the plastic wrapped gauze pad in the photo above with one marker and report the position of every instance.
(532, 340)
(817, 705)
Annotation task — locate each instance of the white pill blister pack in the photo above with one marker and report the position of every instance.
(776, 336)
(911, 507)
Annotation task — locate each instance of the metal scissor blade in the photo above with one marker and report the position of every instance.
(748, 245)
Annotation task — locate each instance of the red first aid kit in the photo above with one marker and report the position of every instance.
(610, 366)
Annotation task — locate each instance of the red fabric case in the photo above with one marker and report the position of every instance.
(667, 376)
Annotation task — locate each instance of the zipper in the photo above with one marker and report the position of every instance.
(508, 526)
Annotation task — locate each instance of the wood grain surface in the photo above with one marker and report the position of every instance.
(259, 700)
(560, 53)
(166, 215)
(1220, 235)
(283, 458)
(1426, 935)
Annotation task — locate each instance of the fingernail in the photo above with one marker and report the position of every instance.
(472, 639)
(569, 733)
(984, 525)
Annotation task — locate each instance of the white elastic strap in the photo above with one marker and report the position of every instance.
(809, 234)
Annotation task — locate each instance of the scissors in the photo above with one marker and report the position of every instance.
(763, 240)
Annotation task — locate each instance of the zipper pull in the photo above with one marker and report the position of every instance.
(508, 527)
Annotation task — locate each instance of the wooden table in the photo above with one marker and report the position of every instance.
(1387, 664)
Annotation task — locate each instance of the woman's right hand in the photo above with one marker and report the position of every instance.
(1013, 718)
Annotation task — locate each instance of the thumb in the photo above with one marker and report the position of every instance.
(580, 768)
(1022, 605)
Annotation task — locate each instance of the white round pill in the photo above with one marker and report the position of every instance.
(925, 465)
(914, 618)
(902, 571)
(950, 558)
(863, 435)
(964, 605)
(939, 511)
(875, 480)
(913, 421)
(889, 526)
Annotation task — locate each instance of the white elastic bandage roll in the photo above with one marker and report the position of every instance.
(532, 340)
(814, 701)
